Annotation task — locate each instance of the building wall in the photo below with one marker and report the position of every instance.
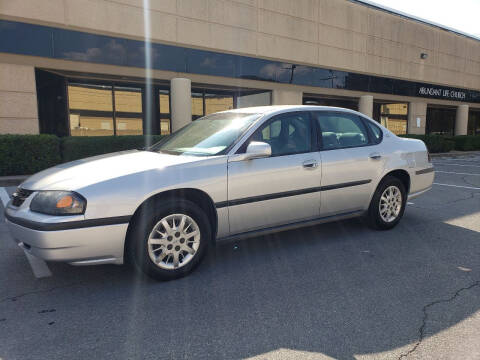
(18, 99)
(336, 34)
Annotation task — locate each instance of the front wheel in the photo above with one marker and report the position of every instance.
(167, 241)
(388, 204)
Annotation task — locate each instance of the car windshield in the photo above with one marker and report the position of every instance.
(209, 135)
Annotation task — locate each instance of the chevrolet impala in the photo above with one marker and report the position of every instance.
(239, 173)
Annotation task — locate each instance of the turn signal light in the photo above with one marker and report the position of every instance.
(65, 202)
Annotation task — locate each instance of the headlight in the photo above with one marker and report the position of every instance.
(58, 203)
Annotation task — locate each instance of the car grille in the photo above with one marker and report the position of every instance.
(20, 196)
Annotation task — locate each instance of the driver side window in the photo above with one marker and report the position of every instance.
(287, 134)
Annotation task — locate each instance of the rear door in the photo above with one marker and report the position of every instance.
(351, 161)
(280, 189)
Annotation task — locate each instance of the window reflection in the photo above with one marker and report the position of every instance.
(208, 101)
(347, 103)
(100, 110)
(392, 116)
(217, 102)
(197, 105)
(165, 118)
(256, 99)
(91, 110)
(128, 111)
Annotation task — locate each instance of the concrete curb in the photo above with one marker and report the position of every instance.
(12, 180)
(456, 154)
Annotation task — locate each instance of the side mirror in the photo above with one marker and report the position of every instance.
(257, 149)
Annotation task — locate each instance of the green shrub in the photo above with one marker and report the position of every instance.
(439, 144)
(28, 154)
(467, 142)
(78, 147)
(435, 143)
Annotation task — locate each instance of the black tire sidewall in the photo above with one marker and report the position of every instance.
(376, 220)
(148, 216)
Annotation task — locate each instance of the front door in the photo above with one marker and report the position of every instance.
(280, 189)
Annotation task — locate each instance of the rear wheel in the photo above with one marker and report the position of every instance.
(168, 240)
(388, 204)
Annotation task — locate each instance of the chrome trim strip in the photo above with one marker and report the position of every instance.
(343, 185)
(289, 193)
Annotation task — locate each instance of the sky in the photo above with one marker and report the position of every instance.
(463, 15)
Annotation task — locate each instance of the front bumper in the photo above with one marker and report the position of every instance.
(99, 244)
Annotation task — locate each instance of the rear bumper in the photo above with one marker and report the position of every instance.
(421, 181)
(79, 246)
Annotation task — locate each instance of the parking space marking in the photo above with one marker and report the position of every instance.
(4, 196)
(451, 172)
(458, 186)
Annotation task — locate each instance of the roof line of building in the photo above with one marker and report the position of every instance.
(414, 18)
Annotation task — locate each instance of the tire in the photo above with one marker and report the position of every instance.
(393, 207)
(160, 251)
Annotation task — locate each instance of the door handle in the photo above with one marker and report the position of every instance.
(375, 156)
(310, 164)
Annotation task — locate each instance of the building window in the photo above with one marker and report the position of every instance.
(393, 116)
(164, 108)
(474, 122)
(90, 110)
(128, 110)
(197, 105)
(217, 102)
(347, 103)
(440, 121)
(111, 109)
(100, 110)
(208, 101)
(249, 99)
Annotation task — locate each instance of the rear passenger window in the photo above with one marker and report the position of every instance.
(376, 131)
(341, 131)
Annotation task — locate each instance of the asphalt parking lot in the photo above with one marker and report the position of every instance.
(337, 290)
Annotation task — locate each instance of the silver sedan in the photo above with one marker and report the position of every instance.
(232, 174)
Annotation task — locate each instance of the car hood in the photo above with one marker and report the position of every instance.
(82, 173)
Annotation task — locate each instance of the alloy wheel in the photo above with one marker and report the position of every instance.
(173, 241)
(390, 204)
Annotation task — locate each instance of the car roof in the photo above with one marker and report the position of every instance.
(277, 109)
